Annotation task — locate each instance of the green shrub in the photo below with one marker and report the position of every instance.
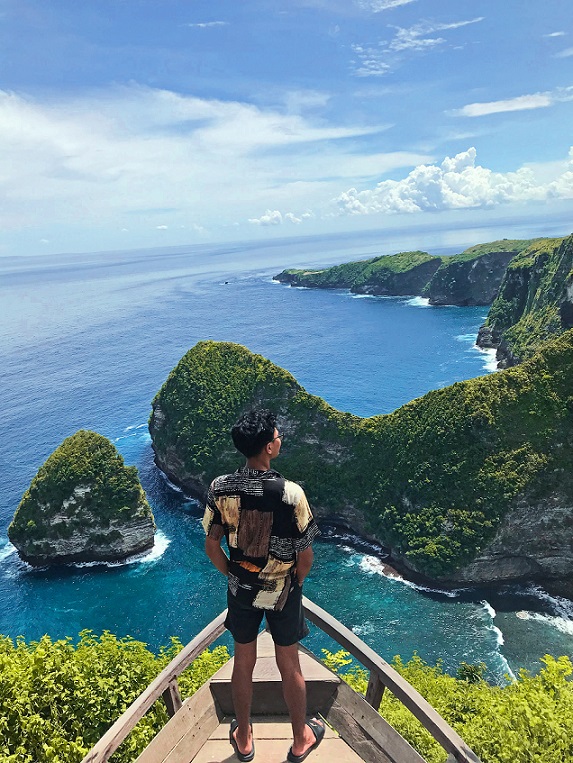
(58, 698)
(528, 721)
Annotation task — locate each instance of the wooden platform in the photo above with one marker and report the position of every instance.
(198, 729)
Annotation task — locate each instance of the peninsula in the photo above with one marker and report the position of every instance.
(83, 505)
(467, 484)
(472, 277)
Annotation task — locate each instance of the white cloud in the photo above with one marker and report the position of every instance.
(122, 156)
(377, 60)
(519, 103)
(269, 218)
(382, 5)
(567, 53)
(458, 183)
(208, 24)
(162, 227)
(555, 34)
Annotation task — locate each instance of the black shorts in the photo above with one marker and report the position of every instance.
(287, 626)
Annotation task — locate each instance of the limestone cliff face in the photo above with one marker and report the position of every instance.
(534, 542)
(84, 505)
(462, 484)
(473, 281)
(535, 301)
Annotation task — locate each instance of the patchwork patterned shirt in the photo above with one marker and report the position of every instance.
(267, 521)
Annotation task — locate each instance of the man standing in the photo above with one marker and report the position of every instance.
(269, 530)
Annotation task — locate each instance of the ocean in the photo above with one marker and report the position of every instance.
(87, 340)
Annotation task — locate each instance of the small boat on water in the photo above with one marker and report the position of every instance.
(198, 729)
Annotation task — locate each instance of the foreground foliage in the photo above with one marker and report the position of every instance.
(528, 721)
(58, 698)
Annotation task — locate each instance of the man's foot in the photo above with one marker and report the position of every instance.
(240, 750)
(313, 735)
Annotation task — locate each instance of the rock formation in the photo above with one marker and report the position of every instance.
(83, 505)
(535, 301)
(474, 276)
(442, 482)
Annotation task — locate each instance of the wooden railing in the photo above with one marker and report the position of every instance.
(165, 685)
(382, 676)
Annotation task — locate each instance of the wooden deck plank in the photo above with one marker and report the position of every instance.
(267, 727)
(275, 751)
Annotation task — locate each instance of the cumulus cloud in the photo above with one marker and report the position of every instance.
(457, 183)
(271, 217)
(555, 34)
(377, 60)
(519, 103)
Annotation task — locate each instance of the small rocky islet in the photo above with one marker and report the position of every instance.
(83, 505)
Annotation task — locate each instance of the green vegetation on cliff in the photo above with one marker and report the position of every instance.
(535, 301)
(398, 274)
(433, 480)
(83, 491)
(528, 721)
(58, 698)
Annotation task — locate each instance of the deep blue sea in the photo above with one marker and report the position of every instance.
(87, 340)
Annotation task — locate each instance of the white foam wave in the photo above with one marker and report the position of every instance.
(490, 359)
(466, 338)
(363, 296)
(134, 426)
(174, 487)
(489, 609)
(154, 553)
(372, 565)
(6, 551)
(418, 302)
(562, 624)
(561, 606)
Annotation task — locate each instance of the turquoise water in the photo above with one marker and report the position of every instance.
(87, 342)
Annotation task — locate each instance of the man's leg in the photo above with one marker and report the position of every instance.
(242, 691)
(294, 690)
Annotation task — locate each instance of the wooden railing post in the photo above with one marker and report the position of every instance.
(172, 698)
(375, 690)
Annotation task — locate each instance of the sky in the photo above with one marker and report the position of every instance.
(133, 123)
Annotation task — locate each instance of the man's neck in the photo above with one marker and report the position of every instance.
(260, 462)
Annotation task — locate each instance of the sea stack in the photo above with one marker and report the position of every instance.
(83, 505)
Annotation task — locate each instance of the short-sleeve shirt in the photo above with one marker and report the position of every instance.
(267, 521)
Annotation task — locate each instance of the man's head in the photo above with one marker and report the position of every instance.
(255, 431)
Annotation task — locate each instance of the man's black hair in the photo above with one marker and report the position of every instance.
(253, 431)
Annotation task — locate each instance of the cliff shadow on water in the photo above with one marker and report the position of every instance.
(469, 484)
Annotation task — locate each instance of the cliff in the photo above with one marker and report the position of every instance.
(443, 481)
(535, 301)
(403, 274)
(473, 277)
(83, 505)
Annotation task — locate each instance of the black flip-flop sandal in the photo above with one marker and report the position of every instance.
(242, 756)
(318, 728)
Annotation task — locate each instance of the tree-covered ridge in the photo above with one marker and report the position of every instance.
(402, 273)
(83, 490)
(502, 245)
(535, 301)
(433, 480)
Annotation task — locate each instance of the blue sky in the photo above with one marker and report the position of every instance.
(129, 123)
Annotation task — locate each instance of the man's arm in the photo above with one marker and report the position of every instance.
(217, 555)
(304, 561)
